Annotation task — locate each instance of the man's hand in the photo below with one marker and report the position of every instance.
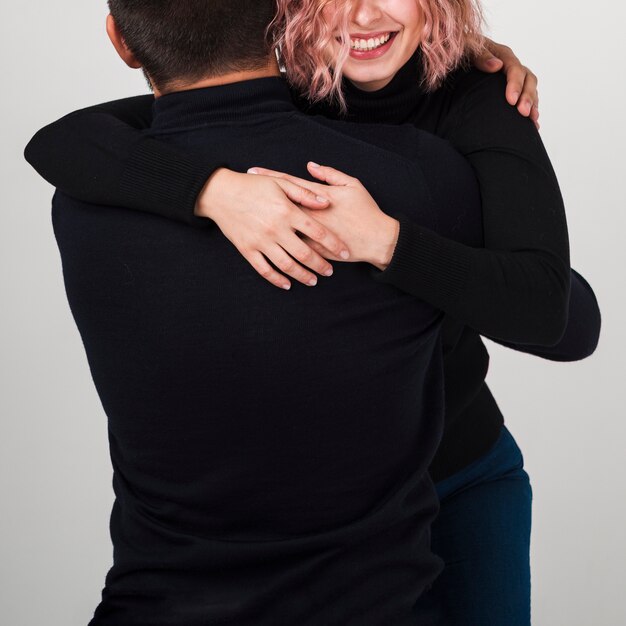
(521, 89)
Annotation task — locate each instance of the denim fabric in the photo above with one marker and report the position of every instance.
(483, 534)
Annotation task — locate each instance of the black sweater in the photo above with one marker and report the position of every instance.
(515, 291)
(270, 448)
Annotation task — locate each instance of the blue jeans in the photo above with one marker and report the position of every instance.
(482, 533)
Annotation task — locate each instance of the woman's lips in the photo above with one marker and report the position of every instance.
(373, 53)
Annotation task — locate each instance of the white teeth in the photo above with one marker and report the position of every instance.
(370, 44)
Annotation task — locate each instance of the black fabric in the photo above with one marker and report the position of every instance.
(515, 292)
(519, 291)
(270, 448)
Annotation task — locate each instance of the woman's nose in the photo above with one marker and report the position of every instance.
(366, 13)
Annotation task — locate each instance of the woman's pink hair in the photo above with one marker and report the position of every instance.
(452, 32)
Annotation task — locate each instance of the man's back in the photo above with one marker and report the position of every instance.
(269, 448)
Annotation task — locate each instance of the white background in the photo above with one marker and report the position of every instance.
(55, 472)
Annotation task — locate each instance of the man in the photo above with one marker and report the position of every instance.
(270, 448)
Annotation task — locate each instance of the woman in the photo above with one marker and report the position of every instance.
(516, 290)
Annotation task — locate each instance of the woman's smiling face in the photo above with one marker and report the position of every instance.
(384, 35)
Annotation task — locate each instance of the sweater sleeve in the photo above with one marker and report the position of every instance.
(516, 288)
(583, 327)
(100, 155)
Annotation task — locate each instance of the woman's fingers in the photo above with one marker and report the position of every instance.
(330, 175)
(260, 264)
(305, 192)
(320, 249)
(287, 264)
(322, 172)
(264, 171)
(261, 217)
(317, 232)
(285, 255)
(290, 254)
(307, 256)
(309, 198)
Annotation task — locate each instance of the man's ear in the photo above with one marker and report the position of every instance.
(120, 45)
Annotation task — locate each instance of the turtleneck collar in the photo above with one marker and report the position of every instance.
(235, 101)
(394, 103)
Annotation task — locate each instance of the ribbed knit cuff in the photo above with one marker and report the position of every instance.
(161, 179)
(426, 265)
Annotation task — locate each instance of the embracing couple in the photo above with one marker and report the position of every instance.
(281, 266)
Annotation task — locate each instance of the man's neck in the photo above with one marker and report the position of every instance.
(271, 69)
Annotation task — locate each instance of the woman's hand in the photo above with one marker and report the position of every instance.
(353, 214)
(258, 215)
(521, 89)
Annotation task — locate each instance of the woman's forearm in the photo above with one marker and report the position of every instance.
(514, 296)
(100, 155)
(516, 288)
(583, 327)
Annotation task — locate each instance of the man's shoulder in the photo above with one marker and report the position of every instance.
(66, 206)
(81, 223)
(404, 141)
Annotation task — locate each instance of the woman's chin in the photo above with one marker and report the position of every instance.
(371, 79)
(374, 74)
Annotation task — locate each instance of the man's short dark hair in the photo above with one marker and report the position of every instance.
(187, 40)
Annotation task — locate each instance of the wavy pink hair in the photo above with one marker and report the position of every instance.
(452, 32)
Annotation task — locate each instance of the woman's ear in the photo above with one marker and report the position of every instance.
(120, 45)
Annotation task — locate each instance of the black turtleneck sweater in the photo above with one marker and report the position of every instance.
(270, 448)
(515, 291)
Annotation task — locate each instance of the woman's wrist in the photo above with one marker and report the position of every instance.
(385, 244)
(206, 204)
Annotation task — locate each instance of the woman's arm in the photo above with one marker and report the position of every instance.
(583, 327)
(99, 154)
(516, 289)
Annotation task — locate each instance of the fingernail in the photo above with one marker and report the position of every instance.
(312, 164)
(321, 199)
(286, 286)
(253, 170)
(312, 282)
(345, 254)
(493, 61)
(328, 272)
(516, 95)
